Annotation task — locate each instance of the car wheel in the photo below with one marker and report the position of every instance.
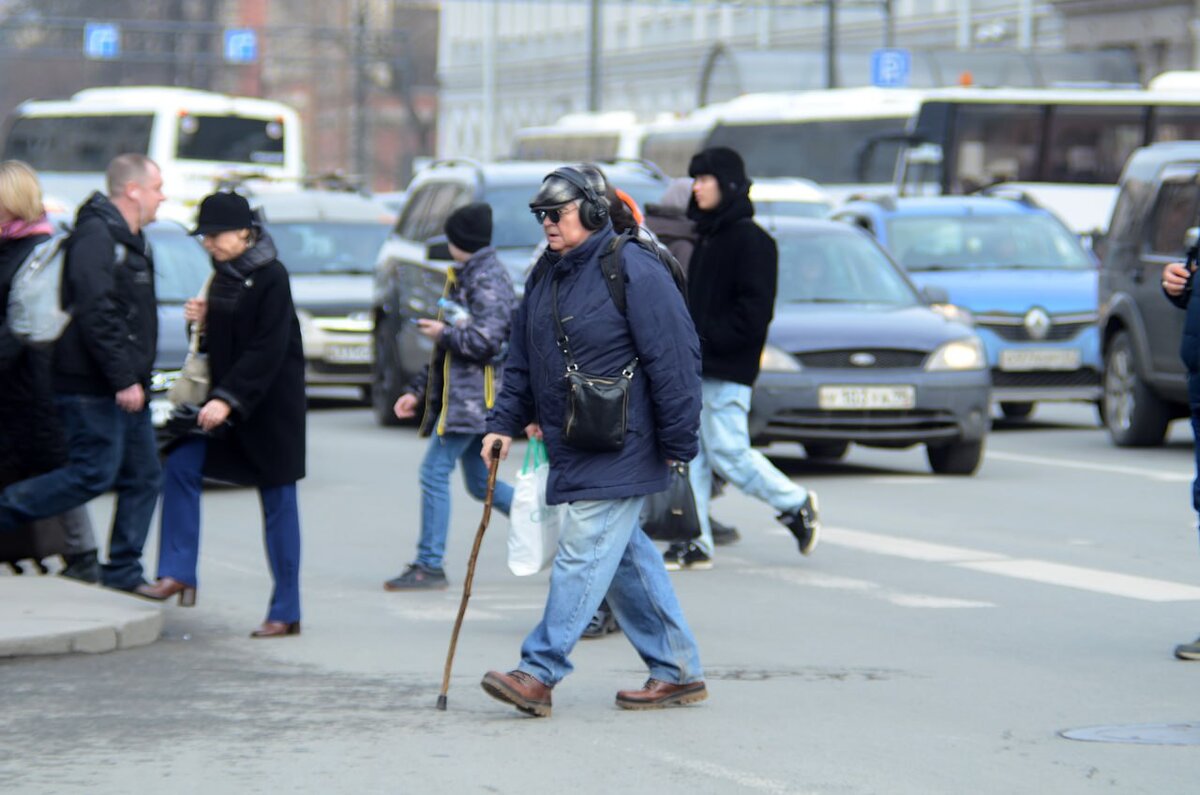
(1135, 416)
(386, 388)
(830, 451)
(958, 458)
(1016, 411)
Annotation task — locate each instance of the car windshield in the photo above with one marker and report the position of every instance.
(964, 242)
(837, 268)
(180, 263)
(786, 209)
(513, 226)
(328, 247)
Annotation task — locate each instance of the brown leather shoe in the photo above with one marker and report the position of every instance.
(522, 690)
(167, 587)
(656, 694)
(276, 629)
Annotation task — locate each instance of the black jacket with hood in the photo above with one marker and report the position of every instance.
(108, 287)
(733, 273)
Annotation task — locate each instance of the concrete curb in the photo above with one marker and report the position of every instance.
(53, 615)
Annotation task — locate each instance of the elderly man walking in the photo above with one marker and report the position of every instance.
(569, 320)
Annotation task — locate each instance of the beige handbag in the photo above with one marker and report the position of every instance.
(194, 379)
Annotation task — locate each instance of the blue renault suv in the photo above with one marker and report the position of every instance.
(1011, 267)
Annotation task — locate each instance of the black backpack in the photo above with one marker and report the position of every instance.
(612, 265)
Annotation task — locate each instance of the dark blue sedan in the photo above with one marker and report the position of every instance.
(856, 354)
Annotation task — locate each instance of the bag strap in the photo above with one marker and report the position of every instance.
(198, 328)
(564, 342)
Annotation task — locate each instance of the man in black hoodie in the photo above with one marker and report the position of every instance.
(102, 367)
(731, 295)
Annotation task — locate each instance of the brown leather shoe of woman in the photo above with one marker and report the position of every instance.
(656, 694)
(276, 629)
(165, 588)
(522, 690)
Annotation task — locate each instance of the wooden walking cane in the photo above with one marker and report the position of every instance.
(493, 468)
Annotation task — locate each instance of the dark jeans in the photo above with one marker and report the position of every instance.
(108, 449)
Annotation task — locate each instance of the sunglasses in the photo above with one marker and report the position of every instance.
(554, 215)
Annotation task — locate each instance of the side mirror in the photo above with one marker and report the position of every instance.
(438, 248)
(1190, 238)
(934, 295)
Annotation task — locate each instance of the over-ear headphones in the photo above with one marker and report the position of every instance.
(593, 212)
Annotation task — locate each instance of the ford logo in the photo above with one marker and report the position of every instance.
(862, 359)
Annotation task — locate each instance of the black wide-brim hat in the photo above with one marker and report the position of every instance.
(221, 212)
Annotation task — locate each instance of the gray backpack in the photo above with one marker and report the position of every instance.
(35, 312)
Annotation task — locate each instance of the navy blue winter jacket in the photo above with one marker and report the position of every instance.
(664, 397)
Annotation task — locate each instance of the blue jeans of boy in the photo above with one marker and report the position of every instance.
(440, 458)
(602, 550)
(725, 448)
(179, 546)
(108, 448)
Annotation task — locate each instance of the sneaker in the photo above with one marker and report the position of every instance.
(603, 623)
(805, 523)
(418, 578)
(1188, 651)
(723, 534)
(83, 567)
(687, 556)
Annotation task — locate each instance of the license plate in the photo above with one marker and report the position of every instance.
(1026, 360)
(850, 398)
(348, 354)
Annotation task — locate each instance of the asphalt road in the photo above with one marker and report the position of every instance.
(937, 641)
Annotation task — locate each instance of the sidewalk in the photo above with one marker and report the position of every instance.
(53, 615)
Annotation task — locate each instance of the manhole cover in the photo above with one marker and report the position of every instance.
(1142, 734)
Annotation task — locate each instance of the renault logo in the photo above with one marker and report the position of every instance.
(1037, 323)
(862, 359)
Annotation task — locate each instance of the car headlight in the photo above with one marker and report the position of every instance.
(964, 354)
(311, 335)
(775, 360)
(953, 312)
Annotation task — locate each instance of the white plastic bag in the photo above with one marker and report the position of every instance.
(533, 528)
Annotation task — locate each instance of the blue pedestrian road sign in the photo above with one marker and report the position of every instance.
(101, 40)
(241, 45)
(891, 67)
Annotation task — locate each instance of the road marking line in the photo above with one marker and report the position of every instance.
(868, 588)
(1152, 474)
(739, 778)
(1096, 580)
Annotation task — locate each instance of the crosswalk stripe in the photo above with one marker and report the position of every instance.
(1114, 469)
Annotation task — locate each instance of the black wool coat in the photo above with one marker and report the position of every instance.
(252, 338)
(31, 437)
(731, 289)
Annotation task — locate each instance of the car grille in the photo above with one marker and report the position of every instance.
(1057, 333)
(865, 425)
(327, 368)
(1044, 378)
(840, 360)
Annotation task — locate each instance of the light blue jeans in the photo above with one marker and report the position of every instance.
(440, 458)
(602, 550)
(725, 448)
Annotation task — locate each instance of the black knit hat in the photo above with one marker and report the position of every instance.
(470, 227)
(221, 212)
(724, 164)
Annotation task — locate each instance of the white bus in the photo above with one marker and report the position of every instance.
(814, 135)
(581, 137)
(1063, 147)
(196, 137)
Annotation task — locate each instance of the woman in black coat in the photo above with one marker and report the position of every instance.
(32, 440)
(252, 426)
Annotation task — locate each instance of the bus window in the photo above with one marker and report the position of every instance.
(1176, 123)
(1089, 144)
(76, 143)
(995, 143)
(230, 139)
(568, 147)
(672, 151)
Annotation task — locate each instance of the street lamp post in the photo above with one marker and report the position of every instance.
(594, 43)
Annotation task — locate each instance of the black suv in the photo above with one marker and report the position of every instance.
(1144, 382)
(411, 269)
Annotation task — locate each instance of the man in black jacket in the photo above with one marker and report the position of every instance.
(731, 295)
(102, 367)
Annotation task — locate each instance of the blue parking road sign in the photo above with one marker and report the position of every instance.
(891, 67)
(101, 40)
(241, 45)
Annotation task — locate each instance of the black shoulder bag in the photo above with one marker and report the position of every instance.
(597, 405)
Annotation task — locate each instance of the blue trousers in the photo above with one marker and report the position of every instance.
(440, 458)
(179, 547)
(108, 449)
